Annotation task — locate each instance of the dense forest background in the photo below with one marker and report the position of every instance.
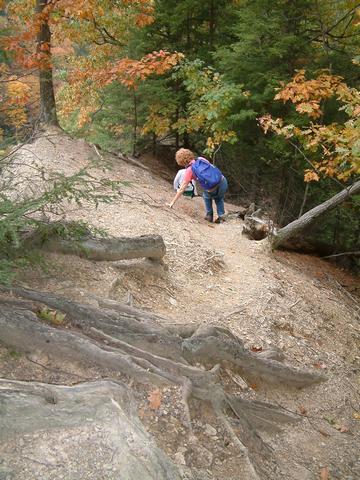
(226, 62)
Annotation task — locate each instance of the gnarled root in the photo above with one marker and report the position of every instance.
(123, 339)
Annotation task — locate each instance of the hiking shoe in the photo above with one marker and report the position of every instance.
(220, 220)
(209, 218)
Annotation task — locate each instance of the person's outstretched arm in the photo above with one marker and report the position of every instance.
(179, 193)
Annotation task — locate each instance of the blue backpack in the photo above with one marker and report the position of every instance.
(207, 174)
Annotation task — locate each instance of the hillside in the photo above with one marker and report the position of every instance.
(302, 305)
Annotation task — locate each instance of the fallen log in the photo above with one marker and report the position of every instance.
(110, 249)
(293, 228)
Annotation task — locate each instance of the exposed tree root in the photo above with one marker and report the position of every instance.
(124, 339)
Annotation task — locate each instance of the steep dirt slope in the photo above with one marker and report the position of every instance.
(300, 304)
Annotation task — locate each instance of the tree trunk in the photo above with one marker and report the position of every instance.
(255, 186)
(47, 97)
(304, 200)
(212, 24)
(298, 225)
(283, 193)
(177, 135)
(135, 125)
(154, 144)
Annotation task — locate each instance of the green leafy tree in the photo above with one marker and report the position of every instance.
(210, 101)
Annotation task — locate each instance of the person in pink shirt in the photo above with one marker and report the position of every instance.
(186, 159)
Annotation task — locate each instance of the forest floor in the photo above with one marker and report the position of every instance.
(308, 308)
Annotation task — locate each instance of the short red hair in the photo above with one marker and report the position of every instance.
(184, 156)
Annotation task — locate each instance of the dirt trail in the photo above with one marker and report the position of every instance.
(304, 306)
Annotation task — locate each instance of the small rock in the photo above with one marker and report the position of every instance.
(172, 301)
(301, 473)
(38, 357)
(209, 430)
(199, 457)
(180, 458)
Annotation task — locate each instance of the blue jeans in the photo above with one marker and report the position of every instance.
(218, 196)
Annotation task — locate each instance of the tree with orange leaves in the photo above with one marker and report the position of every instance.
(97, 28)
(334, 148)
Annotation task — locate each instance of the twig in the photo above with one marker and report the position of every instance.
(341, 254)
(240, 382)
(304, 200)
(45, 464)
(173, 243)
(217, 255)
(314, 427)
(151, 198)
(142, 200)
(300, 415)
(55, 370)
(129, 299)
(295, 303)
(114, 452)
(239, 310)
(18, 147)
(263, 306)
(98, 153)
(335, 180)
(348, 294)
(129, 160)
(11, 75)
(162, 288)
